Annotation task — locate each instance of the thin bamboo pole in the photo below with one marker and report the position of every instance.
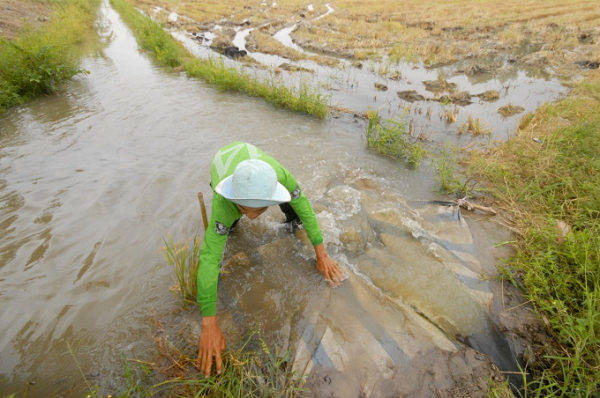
(203, 210)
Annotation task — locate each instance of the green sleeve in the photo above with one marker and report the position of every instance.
(223, 214)
(307, 215)
(300, 204)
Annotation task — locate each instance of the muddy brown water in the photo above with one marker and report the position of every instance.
(95, 177)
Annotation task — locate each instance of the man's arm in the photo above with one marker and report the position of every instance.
(304, 210)
(212, 340)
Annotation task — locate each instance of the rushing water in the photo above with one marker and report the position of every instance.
(95, 177)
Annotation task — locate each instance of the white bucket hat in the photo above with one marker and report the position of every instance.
(253, 184)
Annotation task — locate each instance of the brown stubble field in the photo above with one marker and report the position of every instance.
(429, 31)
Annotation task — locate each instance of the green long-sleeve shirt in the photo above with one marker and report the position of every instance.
(224, 213)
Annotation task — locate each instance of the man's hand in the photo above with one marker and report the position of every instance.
(327, 267)
(211, 344)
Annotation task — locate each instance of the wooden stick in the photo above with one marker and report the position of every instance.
(470, 206)
(483, 208)
(203, 210)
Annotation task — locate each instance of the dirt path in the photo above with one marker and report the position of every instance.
(17, 14)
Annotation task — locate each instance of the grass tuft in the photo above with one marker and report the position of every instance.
(447, 177)
(391, 138)
(184, 259)
(251, 370)
(474, 126)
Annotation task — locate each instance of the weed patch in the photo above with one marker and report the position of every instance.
(390, 138)
(550, 186)
(448, 177)
(474, 126)
(253, 369)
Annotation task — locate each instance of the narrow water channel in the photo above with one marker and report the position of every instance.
(93, 179)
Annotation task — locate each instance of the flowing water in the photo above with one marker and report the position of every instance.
(96, 176)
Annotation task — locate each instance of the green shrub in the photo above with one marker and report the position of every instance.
(37, 61)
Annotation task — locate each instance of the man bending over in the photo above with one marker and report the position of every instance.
(246, 181)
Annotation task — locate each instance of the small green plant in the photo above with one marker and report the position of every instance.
(391, 138)
(446, 101)
(525, 120)
(402, 52)
(474, 126)
(447, 170)
(136, 377)
(415, 157)
(184, 259)
(498, 389)
(92, 390)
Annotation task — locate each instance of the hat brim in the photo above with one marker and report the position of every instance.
(225, 189)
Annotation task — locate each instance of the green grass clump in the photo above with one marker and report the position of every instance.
(448, 177)
(253, 369)
(184, 259)
(403, 53)
(37, 61)
(168, 52)
(303, 98)
(553, 191)
(390, 138)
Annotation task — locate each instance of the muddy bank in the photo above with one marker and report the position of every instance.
(15, 15)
